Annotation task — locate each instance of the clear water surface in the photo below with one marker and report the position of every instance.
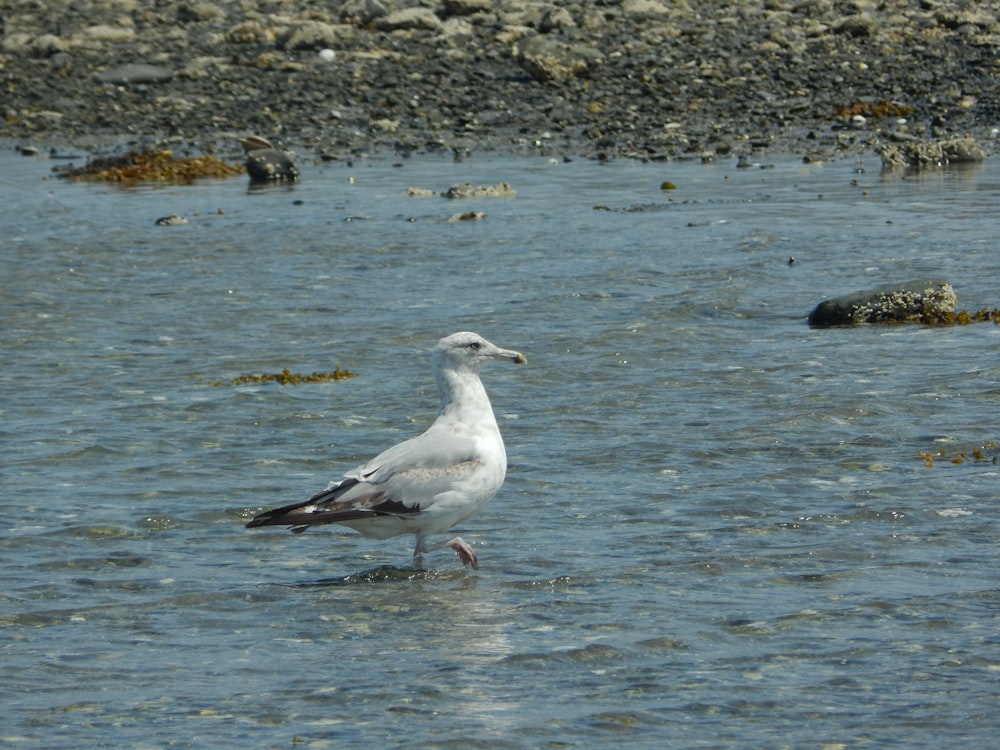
(717, 531)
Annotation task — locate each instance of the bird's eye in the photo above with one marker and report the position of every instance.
(474, 346)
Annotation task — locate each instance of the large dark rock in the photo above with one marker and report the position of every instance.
(917, 301)
(266, 163)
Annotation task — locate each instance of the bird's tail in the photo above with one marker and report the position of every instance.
(320, 508)
(294, 515)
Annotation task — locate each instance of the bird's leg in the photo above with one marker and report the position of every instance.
(418, 553)
(461, 547)
(463, 550)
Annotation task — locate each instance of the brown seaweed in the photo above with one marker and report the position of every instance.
(287, 377)
(151, 165)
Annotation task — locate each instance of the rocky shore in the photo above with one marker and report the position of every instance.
(649, 79)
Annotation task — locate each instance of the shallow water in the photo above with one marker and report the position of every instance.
(716, 529)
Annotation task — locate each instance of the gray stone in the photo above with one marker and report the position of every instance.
(16, 43)
(859, 25)
(107, 33)
(920, 153)
(250, 31)
(652, 9)
(555, 18)
(362, 12)
(196, 12)
(467, 7)
(551, 60)
(48, 45)
(135, 73)
(308, 35)
(410, 18)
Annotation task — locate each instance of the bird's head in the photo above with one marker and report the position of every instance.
(470, 351)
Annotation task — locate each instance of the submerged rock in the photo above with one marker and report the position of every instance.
(171, 220)
(467, 216)
(468, 190)
(917, 301)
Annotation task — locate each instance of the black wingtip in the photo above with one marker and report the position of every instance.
(256, 521)
(274, 517)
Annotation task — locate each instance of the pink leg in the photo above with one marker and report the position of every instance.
(461, 547)
(464, 551)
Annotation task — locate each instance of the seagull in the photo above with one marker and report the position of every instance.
(430, 483)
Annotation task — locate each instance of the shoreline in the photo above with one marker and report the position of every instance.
(640, 79)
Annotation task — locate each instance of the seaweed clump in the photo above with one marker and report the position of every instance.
(961, 318)
(882, 108)
(987, 451)
(151, 165)
(287, 377)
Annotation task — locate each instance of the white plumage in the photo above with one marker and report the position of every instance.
(428, 484)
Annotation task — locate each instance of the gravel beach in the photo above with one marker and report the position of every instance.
(648, 79)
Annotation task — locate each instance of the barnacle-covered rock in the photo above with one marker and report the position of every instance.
(931, 153)
(267, 163)
(917, 301)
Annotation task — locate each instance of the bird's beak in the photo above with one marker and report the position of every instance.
(516, 357)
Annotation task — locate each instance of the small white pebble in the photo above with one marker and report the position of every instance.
(327, 55)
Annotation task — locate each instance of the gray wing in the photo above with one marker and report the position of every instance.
(401, 481)
(437, 449)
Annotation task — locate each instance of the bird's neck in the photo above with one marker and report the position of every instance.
(463, 393)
